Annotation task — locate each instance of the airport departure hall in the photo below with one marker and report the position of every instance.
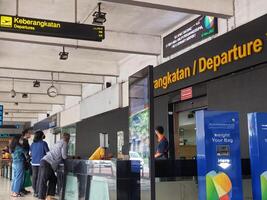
(133, 99)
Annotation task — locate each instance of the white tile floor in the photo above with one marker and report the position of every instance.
(5, 191)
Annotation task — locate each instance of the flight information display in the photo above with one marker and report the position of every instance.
(45, 27)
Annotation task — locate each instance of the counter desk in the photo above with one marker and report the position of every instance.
(99, 180)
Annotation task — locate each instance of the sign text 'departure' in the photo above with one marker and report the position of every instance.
(51, 28)
(204, 64)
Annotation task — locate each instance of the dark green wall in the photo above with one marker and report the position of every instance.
(87, 139)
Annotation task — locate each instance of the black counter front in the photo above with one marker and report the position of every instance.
(187, 168)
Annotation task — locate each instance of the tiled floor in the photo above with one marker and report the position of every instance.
(5, 191)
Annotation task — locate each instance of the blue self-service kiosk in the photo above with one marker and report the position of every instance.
(257, 125)
(218, 155)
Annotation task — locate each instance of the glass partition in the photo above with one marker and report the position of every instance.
(72, 144)
(141, 127)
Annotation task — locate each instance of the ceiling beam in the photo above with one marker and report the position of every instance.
(118, 42)
(21, 115)
(6, 85)
(26, 111)
(217, 8)
(27, 107)
(32, 98)
(47, 76)
(8, 119)
(45, 58)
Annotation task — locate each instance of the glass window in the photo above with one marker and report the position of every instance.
(72, 144)
(186, 135)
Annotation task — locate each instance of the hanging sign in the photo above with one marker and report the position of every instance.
(44, 27)
(195, 31)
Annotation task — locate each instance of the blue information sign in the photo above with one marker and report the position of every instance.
(257, 124)
(1, 115)
(218, 156)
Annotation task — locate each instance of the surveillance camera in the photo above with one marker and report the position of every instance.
(63, 55)
(13, 93)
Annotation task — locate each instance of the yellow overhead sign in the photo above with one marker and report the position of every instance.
(6, 21)
(45, 27)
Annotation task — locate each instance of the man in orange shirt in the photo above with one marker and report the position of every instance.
(163, 146)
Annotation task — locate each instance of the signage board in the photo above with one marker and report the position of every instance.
(186, 93)
(1, 115)
(47, 123)
(45, 27)
(236, 50)
(7, 135)
(218, 156)
(195, 31)
(257, 124)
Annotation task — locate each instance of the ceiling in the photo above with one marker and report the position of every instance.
(24, 58)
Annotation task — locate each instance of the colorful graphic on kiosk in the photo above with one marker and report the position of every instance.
(209, 22)
(219, 186)
(264, 185)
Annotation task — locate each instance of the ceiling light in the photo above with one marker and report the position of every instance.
(13, 92)
(99, 17)
(36, 83)
(63, 55)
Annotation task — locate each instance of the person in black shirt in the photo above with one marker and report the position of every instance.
(163, 146)
(26, 135)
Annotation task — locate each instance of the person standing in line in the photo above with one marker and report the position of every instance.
(26, 135)
(163, 146)
(49, 165)
(18, 159)
(38, 150)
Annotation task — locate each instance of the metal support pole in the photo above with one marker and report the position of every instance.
(17, 7)
(76, 10)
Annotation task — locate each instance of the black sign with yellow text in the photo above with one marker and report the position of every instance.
(244, 47)
(51, 28)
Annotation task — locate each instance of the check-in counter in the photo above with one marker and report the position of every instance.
(100, 180)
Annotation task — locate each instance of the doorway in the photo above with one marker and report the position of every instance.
(184, 133)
